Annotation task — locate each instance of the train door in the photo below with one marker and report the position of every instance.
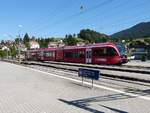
(41, 55)
(88, 55)
(27, 55)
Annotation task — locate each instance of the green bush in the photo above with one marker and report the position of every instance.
(143, 58)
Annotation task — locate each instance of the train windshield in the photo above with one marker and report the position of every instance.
(122, 49)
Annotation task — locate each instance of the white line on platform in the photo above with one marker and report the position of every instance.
(95, 85)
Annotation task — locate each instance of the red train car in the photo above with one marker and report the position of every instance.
(60, 54)
(106, 53)
(32, 55)
(74, 54)
(48, 54)
(100, 53)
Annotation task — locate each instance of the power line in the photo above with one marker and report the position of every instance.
(76, 14)
(92, 8)
(66, 19)
(124, 20)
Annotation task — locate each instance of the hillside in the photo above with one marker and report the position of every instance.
(137, 31)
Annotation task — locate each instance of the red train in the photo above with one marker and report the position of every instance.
(100, 53)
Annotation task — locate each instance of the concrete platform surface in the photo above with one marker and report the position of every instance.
(24, 90)
(138, 63)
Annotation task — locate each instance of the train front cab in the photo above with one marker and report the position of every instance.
(105, 55)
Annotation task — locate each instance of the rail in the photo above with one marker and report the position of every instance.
(107, 71)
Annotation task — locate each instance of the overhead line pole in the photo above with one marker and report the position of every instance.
(19, 40)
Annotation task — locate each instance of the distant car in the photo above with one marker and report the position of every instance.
(132, 57)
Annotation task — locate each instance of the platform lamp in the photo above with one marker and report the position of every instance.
(19, 48)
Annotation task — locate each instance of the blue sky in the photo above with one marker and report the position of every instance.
(59, 17)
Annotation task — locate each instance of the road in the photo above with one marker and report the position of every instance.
(26, 90)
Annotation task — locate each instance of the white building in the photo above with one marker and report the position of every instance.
(34, 45)
(5, 48)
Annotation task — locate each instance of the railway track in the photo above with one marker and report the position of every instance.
(137, 69)
(126, 74)
(122, 84)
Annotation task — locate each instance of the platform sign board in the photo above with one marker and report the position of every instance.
(89, 73)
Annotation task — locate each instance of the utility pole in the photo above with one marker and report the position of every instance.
(19, 48)
(19, 41)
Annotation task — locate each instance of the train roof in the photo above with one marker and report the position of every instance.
(107, 44)
(47, 49)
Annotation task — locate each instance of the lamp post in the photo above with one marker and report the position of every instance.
(19, 48)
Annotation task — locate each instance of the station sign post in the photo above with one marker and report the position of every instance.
(89, 73)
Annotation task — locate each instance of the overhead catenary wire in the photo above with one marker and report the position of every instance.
(75, 15)
(125, 21)
(103, 11)
(71, 17)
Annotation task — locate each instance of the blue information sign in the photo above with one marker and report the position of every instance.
(89, 73)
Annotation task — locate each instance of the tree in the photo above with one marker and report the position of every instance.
(26, 40)
(17, 40)
(92, 36)
(3, 53)
(147, 40)
(43, 42)
(33, 38)
(13, 51)
(74, 35)
(70, 40)
(137, 43)
(2, 42)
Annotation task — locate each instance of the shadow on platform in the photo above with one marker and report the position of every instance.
(85, 103)
(139, 92)
(114, 110)
(82, 106)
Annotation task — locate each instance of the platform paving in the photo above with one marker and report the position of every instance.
(23, 90)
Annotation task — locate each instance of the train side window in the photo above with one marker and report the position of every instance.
(50, 54)
(46, 54)
(81, 54)
(53, 53)
(98, 52)
(68, 54)
(75, 54)
(41, 53)
(111, 52)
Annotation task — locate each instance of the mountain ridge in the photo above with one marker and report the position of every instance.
(141, 30)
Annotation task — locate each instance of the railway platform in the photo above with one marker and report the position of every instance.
(138, 63)
(27, 90)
